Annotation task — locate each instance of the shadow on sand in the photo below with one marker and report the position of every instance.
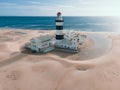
(54, 52)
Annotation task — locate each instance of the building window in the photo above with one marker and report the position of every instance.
(35, 46)
(39, 49)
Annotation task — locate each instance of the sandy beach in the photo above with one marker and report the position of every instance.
(95, 67)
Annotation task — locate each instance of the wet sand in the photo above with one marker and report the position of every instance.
(99, 69)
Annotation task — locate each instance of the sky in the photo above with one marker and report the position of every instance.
(67, 7)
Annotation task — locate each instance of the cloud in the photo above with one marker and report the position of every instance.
(72, 7)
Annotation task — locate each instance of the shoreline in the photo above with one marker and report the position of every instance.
(55, 30)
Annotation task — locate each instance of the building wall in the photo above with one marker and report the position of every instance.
(74, 45)
(81, 39)
(68, 46)
(38, 45)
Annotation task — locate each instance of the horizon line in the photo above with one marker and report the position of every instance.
(56, 15)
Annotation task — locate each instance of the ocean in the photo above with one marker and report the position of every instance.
(83, 23)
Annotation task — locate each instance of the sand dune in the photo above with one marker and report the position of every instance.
(59, 70)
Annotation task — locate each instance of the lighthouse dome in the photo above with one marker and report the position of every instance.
(59, 13)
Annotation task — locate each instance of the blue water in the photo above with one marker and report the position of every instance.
(71, 23)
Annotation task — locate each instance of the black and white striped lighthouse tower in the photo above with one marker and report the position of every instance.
(59, 28)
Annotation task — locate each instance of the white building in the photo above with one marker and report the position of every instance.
(48, 43)
(42, 43)
(69, 44)
(71, 41)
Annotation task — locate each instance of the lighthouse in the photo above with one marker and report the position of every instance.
(59, 28)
